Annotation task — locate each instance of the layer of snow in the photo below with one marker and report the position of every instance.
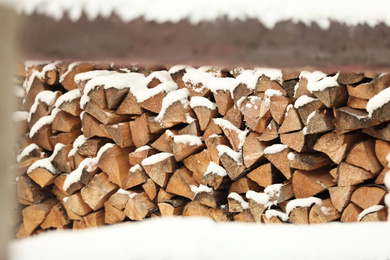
(223, 149)
(202, 188)
(84, 76)
(192, 140)
(180, 95)
(360, 117)
(177, 68)
(68, 97)
(155, 158)
(46, 120)
(370, 210)
(272, 74)
(291, 156)
(273, 92)
(276, 213)
(142, 148)
(80, 140)
(202, 102)
(259, 197)
(268, 198)
(88, 164)
(47, 162)
(214, 168)
(47, 97)
(315, 83)
(276, 148)
(378, 101)
(274, 189)
(208, 240)
(135, 168)
(237, 197)
(306, 202)
(226, 124)
(70, 68)
(303, 100)
(26, 151)
(19, 116)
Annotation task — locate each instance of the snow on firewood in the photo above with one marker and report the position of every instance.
(80, 140)
(47, 97)
(180, 95)
(236, 156)
(70, 68)
(200, 188)
(259, 197)
(92, 74)
(237, 197)
(39, 74)
(214, 168)
(192, 140)
(19, 116)
(270, 93)
(303, 100)
(306, 202)
(268, 198)
(272, 74)
(26, 151)
(142, 92)
(378, 101)
(276, 213)
(86, 164)
(226, 124)
(155, 158)
(178, 68)
(47, 162)
(322, 84)
(276, 148)
(68, 97)
(370, 210)
(135, 168)
(46, 120)
(142, 148)
(202, 102)
(291, 156)
(312, 114)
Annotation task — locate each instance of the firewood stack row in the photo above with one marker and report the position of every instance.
(105, 144)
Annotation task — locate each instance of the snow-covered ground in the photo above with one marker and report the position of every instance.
(201, 238)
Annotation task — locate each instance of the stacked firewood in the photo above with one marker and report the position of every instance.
(105, 144)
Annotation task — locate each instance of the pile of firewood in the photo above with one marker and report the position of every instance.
(106, 144)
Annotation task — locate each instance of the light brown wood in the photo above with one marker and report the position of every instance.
(170, 209)
(65, 138)
(175, 114)
(351, 213)
(182, 150)
(257, 113)
(182, 183)
(204, 115)
(138, 155)
(272, 220)
(335, 96)
(308, 161)
(141, 127)
(292, 122)
(135, 177)
(42, 137)
(65, 122)
(350, 175)
(382, 149)
(68, 73)
(105, 116)
(245, 216)
(278, 106)
(244, 184)
(309, 183)
(257, 210)
(34, 215)
(76, 204)
(115, 162)
(197, 164)
(191, 129)
(112, 215)
(219, 215)
(195, 209)
(224, 100)
(212, 143)
(365, 197)
(370, 89)
(270, 133)
(299, 141)
(115, 96)
(324, 213)
(233, 133)
(164, 142)
(235, 205)
(380, 215)
(357, 103)
(163, 195)
(322, 121)
(349, 119)
(61, 160)
(335, 145)
(381, 177)
(91, 127)
(94, 219)
(341, 196)
(154, 103)
(363, 155)
(234, 116)
(139, 206)
(349, 78)
(253, 150)
(98, 191)
(129, 106)
(381, 132)
(120, 133)
(56, 218)
(265, 175)
(42, 177)
(305, 110)
(211, 130)
(280, 161)
(92, 146)
(150, 189)
(235, 169)
(299, 215)
(209, 199)
(160, 171)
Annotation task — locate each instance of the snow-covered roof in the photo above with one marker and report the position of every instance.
(350, 12)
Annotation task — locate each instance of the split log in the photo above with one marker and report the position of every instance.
(370, 89)
(306, 105)
(277, 154)
(181, 183)
(307, 184)
(375, 216)
(219, 215)
(92, 146)
(346, 78)
(159, 167)
(115, 96)
(42, 176)
(56, 218)
(257, 113)
(349, 119)
(42, 137)
(171, 208)
(34, 215)
(299, 141)
(204, 111)
(65, 122)
(211, 130)
(380, 132)
(120, 133)
(299, 215)
(351, 213)
(335, 96)
(91, 127)
(341, 196)
(61, 160)
(141, 127)
(105, 116)
(163, 195)
(243, 185)
(235, 136)
(245, 216)
(234, 116)
(362, 155)
(129, 106)
(185, 145)
(320, 122)
(292, 122)
(382, 149)
(94, 219)
(115, 162)
(196, 209)
(253, 150)
(191, 129)
(270, 133)
(215, 176)
(98, 191)
(236, 203)
(324, 213)
(357, 103)
(350, 175)
(224, 101)
(164, 142)
(150, 189)
(365, 197)
(135, 177)
(76, 204)
(231, 161)
(335, 145)
(29, 192)
(141, 153)
(139, 206)
(197, 164)
(65, 138)
(307, 161)
(112, 215)
(212, 143)
(381, 177)
(265, 175)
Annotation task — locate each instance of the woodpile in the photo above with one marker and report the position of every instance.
(105, 144)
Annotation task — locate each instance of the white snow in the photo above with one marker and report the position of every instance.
(312, 114)
(201, 188)
(177, 68)
(237, 197)
(70, 68)
(84, 76)
(47, 162)
(88, 164)
(202, 102)
(122, 191)
(223, 149)
(353, 241)
(291, 156)
(303, 100)
(306, 202)
(192, 140)
(370, 210)
(39, 74)
(172, 97)
(267, 198)
(226, 124)
(46, 120)
(162, 76)
(26, 151)
(320, 84)
(189, 118)
(68, 97)
(80, 140)
(142, 148)
(304, 130)
(214, 168)
(155, 158)
(135, 168)
(276, 213)
(19, 116)
(273, 92)
(274, 189)
(378, 101)
(275, 148)
(325, 210)
(46, 97)
(259, 197)
(272, 74)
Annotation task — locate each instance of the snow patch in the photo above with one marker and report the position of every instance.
(276, 213)
(214, 168)
(192, 140)
(80, 140)
(155, 158)
(323, 83)
(312, 114)
(378, 101)
(70, 68)
(276, 148)
(46, 163)
(291, 156)
(223, 149)
(237, 197)
(26, 151)
(142, 148)
(46, 120)
(68, 97)
(303, 100)
(306, 202)
(135, 168)
(202, 102)
(180, 95)
(370, 210)
(47, 97)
